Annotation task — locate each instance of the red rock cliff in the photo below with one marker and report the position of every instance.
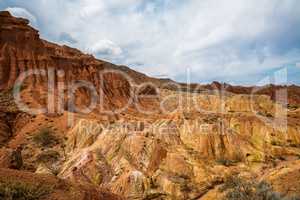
(21, 49)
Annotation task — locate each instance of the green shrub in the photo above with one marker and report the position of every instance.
(48, 156)
(45, 137)
(22, 191)
(237, 188)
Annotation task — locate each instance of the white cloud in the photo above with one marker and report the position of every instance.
(298, 64)
(21, 12)
(67, 39)
(89, 8)
(105, 48)
(222, 40)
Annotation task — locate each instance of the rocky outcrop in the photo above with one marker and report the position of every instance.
(21, 50)
(175, 159)
(285, 178)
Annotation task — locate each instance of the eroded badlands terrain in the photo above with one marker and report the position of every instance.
(146, 138)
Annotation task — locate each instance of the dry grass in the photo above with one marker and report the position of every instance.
(22, 191)
(45, 137)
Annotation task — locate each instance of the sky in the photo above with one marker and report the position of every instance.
(234, 41)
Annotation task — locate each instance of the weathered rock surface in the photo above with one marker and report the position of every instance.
(178, 159)
(21, 50)
(50, 187)
(183, 150)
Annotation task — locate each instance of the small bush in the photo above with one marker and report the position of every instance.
(48, 156)
(265, 114)
(293, 107)
(237, 188)
(22, 191)
(227, 162)
(45, 137)
(154, 196)
(260, 113)
(276, 143)
(294, 145)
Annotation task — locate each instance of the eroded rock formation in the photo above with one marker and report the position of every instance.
(185, 148)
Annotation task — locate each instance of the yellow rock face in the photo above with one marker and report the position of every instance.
(186, 154)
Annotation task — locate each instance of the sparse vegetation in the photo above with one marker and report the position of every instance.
(45, 137)
(154, 196)
(187, 115)
(292, 143)
(22, 191)
(295, 145)
(48, 156)
(7, 103)
(153, 184)
(211, 120)
(225, 162)
(230, 162)
(276, 143)
(63, 146)
(268, 115)
(293, 107)
(237, 188)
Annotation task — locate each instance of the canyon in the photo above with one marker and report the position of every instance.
(145, 138)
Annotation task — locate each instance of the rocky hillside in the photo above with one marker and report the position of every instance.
(191, 142)
(26, 185)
